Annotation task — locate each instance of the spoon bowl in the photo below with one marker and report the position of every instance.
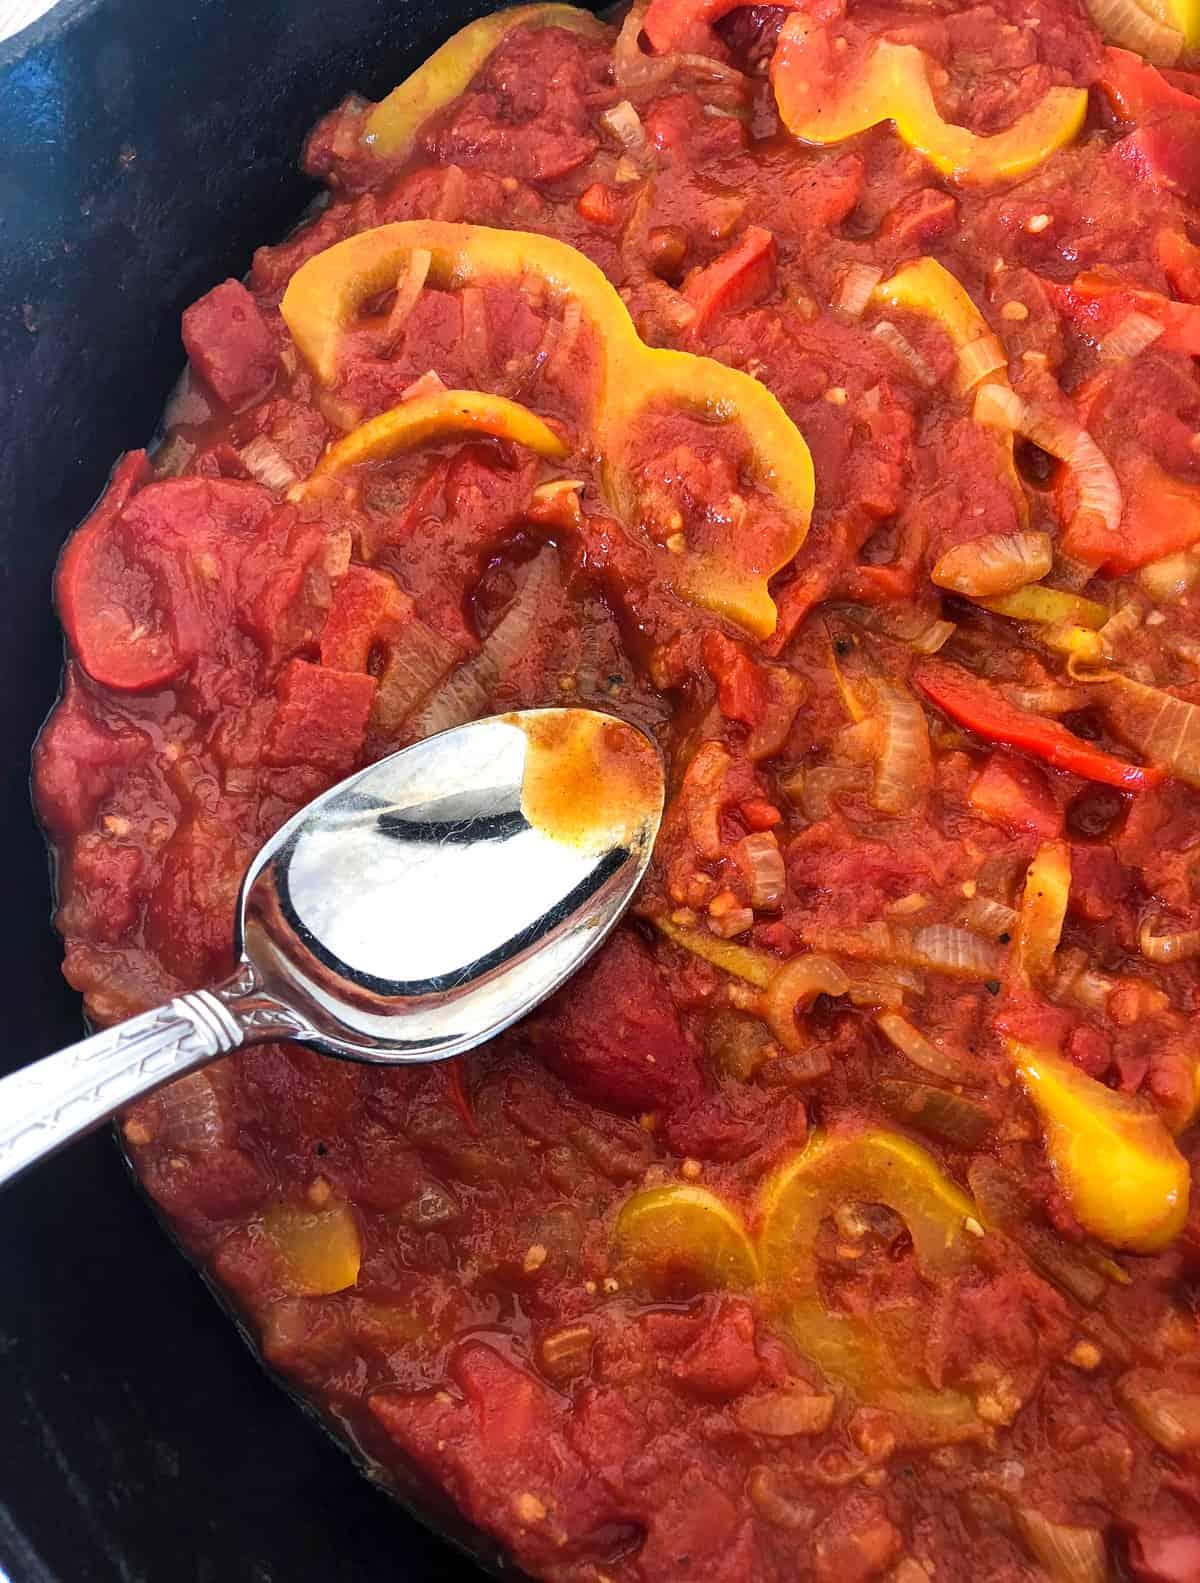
(409, 913)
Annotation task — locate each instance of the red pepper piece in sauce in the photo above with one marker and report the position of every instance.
(735, 279)
(979, 707)
(1136, 89)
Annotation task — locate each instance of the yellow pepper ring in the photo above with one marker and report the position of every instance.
(871, 1360)
(325, 295)
(426, 418)
(391, 126)
(680, 1230)
(893, 85)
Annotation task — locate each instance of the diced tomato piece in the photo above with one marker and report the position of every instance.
(599, 204)
(683, 24)
(285, 588)
(189, 917)
(613, 1034)
(368, 609)
(1165, 156)
(135, 585)
(229, 344)
(918, 218)
(1165, 1557)
(499, 1447)
(1098, 882)
(722, 1361)
(1180, 258)
(77, 761)
(741, 690)
(1016, 795)
(735, 280)
(321, 717)
(1097, 304)
(759, 814)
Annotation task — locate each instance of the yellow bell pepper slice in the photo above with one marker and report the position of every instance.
(682, 1239)
(326, 294)
(318, 1249)
(1043, 909)
(893, 85)
(1184, 17)
(874, 1360)
(1047, 606)
(425, 418)
(927, 287)
(1114, 1159)
(741, 961)
(390, 127)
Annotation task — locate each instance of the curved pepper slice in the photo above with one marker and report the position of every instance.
(318, 1249)
(1047, 606)
(892, 84)
(683, 1238)
(1116, 1162)
(1136, 89)
(426, 418)
(873, 1359)
(391, 126)
(326, 294)
(979, 707)
(1043, 908)
(927, 287)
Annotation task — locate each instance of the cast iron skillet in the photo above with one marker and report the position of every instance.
(146, 147)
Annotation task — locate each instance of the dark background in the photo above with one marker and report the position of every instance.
(146, 147)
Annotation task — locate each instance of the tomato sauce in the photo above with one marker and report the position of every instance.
(833, 1223)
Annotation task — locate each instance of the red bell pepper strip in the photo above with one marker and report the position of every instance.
(735, 279)
(1136, 89)
(1180, 260)
(979, 707)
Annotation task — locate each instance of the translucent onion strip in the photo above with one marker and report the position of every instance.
(1164, 729)
(1172, 578)
(995, 563)
(1000, 407)
(794, 988)
(1068, 1555)
(854, 290)
(922, 1052)
(1127, 23)
(1130, 338)
(760, 860)
(267, 464)
(892, 338)
(625, 124)
(1165, 948)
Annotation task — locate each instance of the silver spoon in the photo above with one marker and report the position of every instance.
(411, 912)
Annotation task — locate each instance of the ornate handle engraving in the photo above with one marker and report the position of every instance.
(47, 1104)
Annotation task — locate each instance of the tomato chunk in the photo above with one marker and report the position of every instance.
(136, 583)
(1014, 794)
(321, 717)
(368, 609)
(78, 760)
(735, 280)
(229, 344)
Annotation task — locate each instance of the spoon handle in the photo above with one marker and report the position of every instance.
(53, 1101)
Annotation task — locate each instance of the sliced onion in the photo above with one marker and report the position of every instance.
(737, 920)
(1000, 407)
(417, 661)
(1170, 1416)
(409, 289)
(760, 860)
(1163, 729)
(1118, 626)
(915, 1047)
(854, 289)
(1069, 1555)
(625, 124)
(464, 695)
(1130, 338)
(1128, 24)
(884, 988)
(942, 948)
(267, 464)
(1076, 981)
(1167, 948)
(430, 383)
(476, 337)
(995, 563)
(939, 947)
(1072, 574)
(1047, 700)
(979, 360)
(1172, 578)
(904, 759)
(632, 67)
(814, 791)
(935, 636)
(989, 918)
(190, 1116)
(794, 988)
(892, 338)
